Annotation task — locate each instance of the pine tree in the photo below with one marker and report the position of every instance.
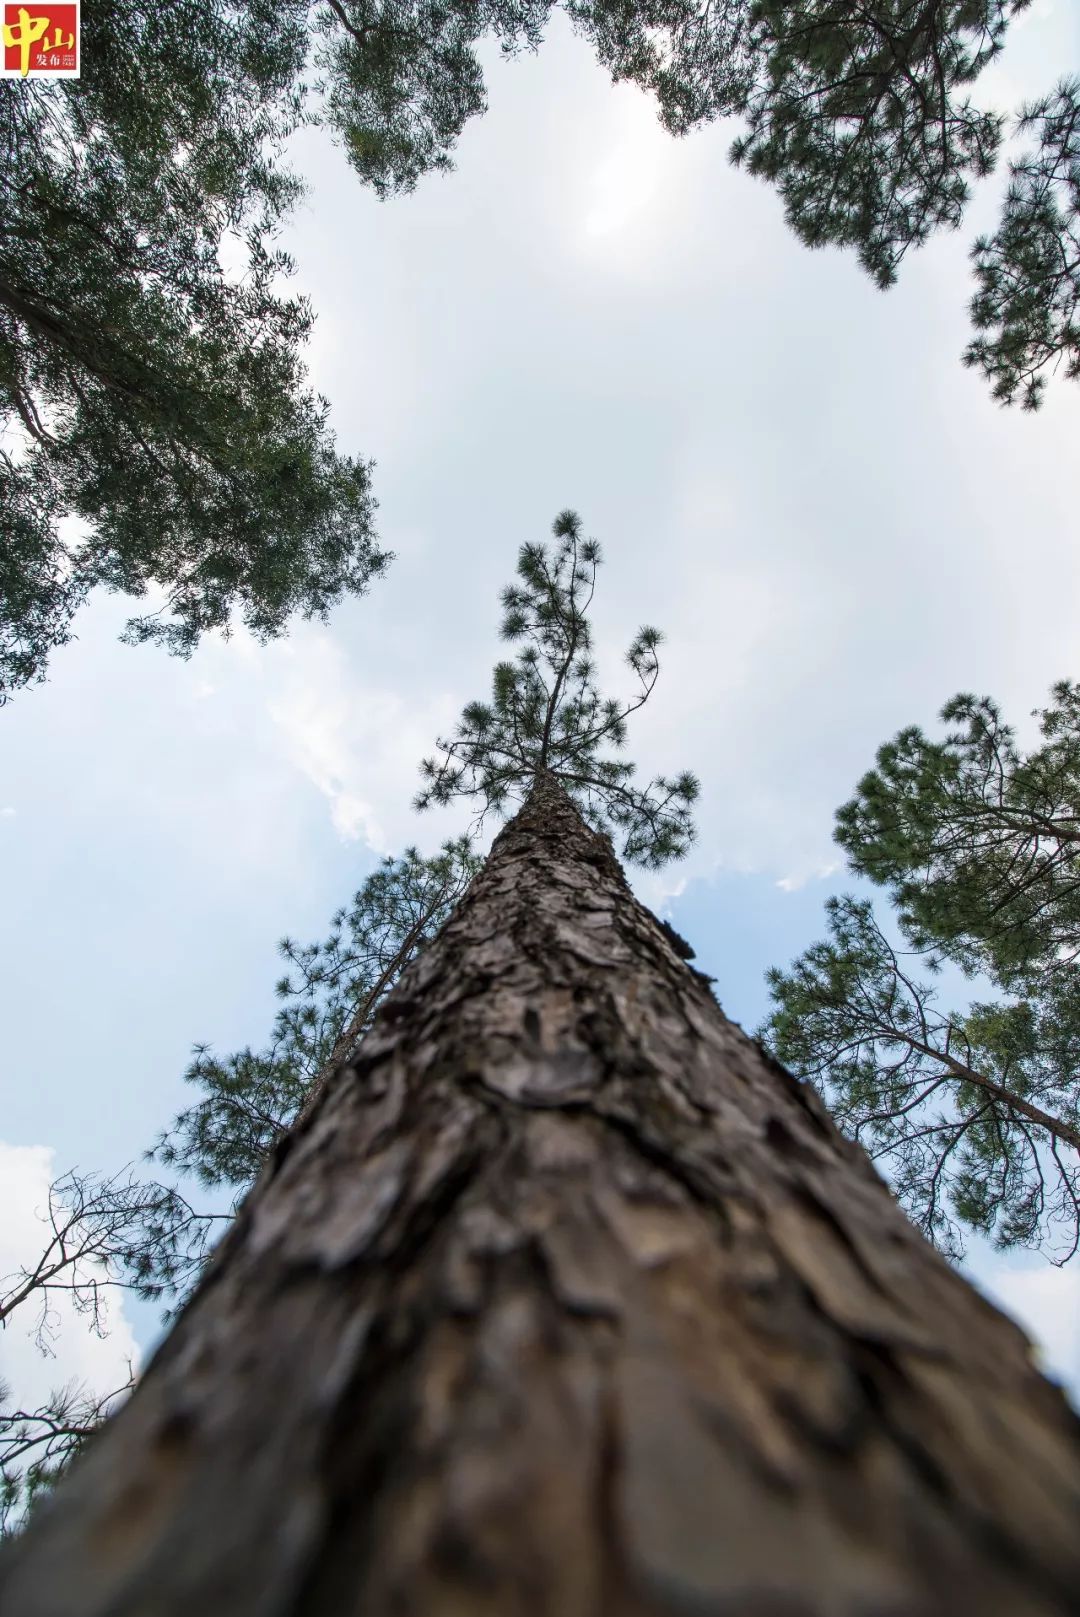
(334, 988)
(978, 844)
(151, 394)
(564, 1300)
(547, 716)
(976, 1114)
(103, 1232)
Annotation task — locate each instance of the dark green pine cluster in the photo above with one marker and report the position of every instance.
(860, 119)
(546, 714)
(975, 1115)
(976, 842)
(402, 78)
(159, 398)
(1027, 307)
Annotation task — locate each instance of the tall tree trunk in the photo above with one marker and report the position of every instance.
(566, 1301)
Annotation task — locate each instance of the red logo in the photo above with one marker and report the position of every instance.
(40, 38)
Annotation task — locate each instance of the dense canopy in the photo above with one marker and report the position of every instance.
(149, 365)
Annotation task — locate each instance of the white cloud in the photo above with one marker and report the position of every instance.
(659, 888)
(77, 1354)
(792, 883)
(1045, 1301)
(359, 745)
(7, 813)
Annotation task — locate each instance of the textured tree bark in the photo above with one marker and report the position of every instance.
(565, 1301)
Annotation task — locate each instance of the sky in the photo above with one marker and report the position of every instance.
(790, 473)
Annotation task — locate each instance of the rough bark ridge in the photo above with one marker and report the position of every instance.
(566, 1302)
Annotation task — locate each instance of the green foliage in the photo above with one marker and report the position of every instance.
(700, 61)
(1027, 307)
(978, 845)
(402, 80)
(858, 121)
(159, 398)
(546, 714)
(39, 595)
(860, 116)
(330, 996)
(37, 1445)
(976, 1116)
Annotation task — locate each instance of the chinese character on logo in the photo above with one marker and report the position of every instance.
(40, 38)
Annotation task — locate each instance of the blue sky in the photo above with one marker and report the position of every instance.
(790, 473)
